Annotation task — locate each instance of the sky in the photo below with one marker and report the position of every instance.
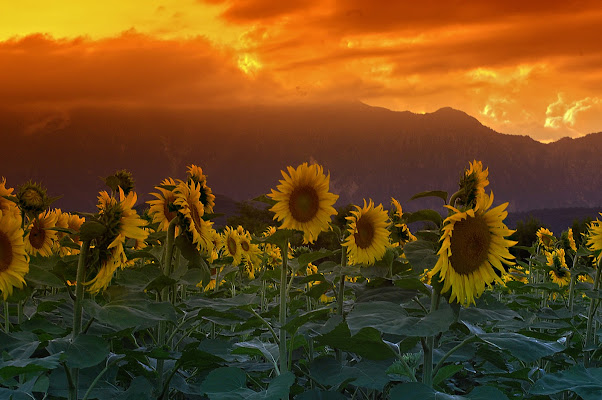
(520, 67)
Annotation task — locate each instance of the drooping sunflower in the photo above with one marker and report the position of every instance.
(572, 243)
(218, 244)
(111, 259)
(195, 174)
(473, 246)
(14, 261)
(473, 183)
(62, 221)
(303, 201)
(162, 209)
(192, 210)
(232, 246)
(74, 223)
(559, 271)
(40, 238)
(545, 238)
(368, 237)
(124, 219)
(400, 231)
(594, 238)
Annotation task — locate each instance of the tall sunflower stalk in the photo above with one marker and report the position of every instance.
(594, 243)
(302, 202)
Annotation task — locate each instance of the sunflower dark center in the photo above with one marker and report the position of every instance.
(37, 235)
(469, 245)
(169, 215)
(231, 246)
(364, 232)
(560, 273)
(196, 218)
(6, 252)
(245, 245)
(304, 203)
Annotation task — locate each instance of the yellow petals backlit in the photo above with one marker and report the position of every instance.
(40, 238)
(303, 201)
(368, 237)
(594, 238)
(473, 247)
(14, 261)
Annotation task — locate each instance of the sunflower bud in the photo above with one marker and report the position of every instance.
(121, 179)
(32, 199)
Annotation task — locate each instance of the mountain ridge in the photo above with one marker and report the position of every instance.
(371, 152)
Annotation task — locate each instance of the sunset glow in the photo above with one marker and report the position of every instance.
(529, 68)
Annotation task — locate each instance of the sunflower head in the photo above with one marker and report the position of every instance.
(163, 209)
(41, 238)
(33, 199)
(400, 233)
(232, 247)
(368, 235)
(472, 184)
(473, 248)
(14, 261)
(8, 206)
(594, 238)
(195, 174)
(303, 201)
(545, 238)
(121, 179)
(561, 277)
(568, 241)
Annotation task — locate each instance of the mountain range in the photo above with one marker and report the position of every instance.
(370, 152)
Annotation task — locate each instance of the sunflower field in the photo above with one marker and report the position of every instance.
(152, 302)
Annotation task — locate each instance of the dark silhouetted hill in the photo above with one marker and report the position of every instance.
(370, 152)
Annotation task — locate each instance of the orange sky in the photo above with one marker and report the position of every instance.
(521, 67)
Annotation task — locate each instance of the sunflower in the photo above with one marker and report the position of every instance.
(195, 174)
(162, 209)
(473, 183)
(401, 232)
(545, 238)
(8, 206)
(111, 260)
(594, 239)
(62, 221)
(189, 205)
(232, 246)
(218, 244)
(40, 238)
(74, 223)
(561, 277)
(368, 237)
(14, 261)
(303, 201)
(572, 243)
(517, 274)
(473, 246)
(250, 251)
(124, 220)
(32, 198)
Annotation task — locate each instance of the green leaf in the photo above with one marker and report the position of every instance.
(366, 343)
(424, 215)
(317, 394)
(159, 283)
(392, 318)
(280, 238)
(524, 348)
(226, 383)
(11, 368)
(486, 393)
(85, 351)
(42, 277)
(127, 313)
(258, 348)
(278, 388)
(314, 256)
(294, 324)
(431, 193)
(419, 391)
(367, 374)
(586, 383)
(446, 372)
(91, 230)
(421, 254)
(265, 199)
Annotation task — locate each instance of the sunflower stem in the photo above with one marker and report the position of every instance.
(283, 275)
(77, 309)
(161, 334)
(429, 345)
(589, 332)
(454, 197)
(572, 284)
